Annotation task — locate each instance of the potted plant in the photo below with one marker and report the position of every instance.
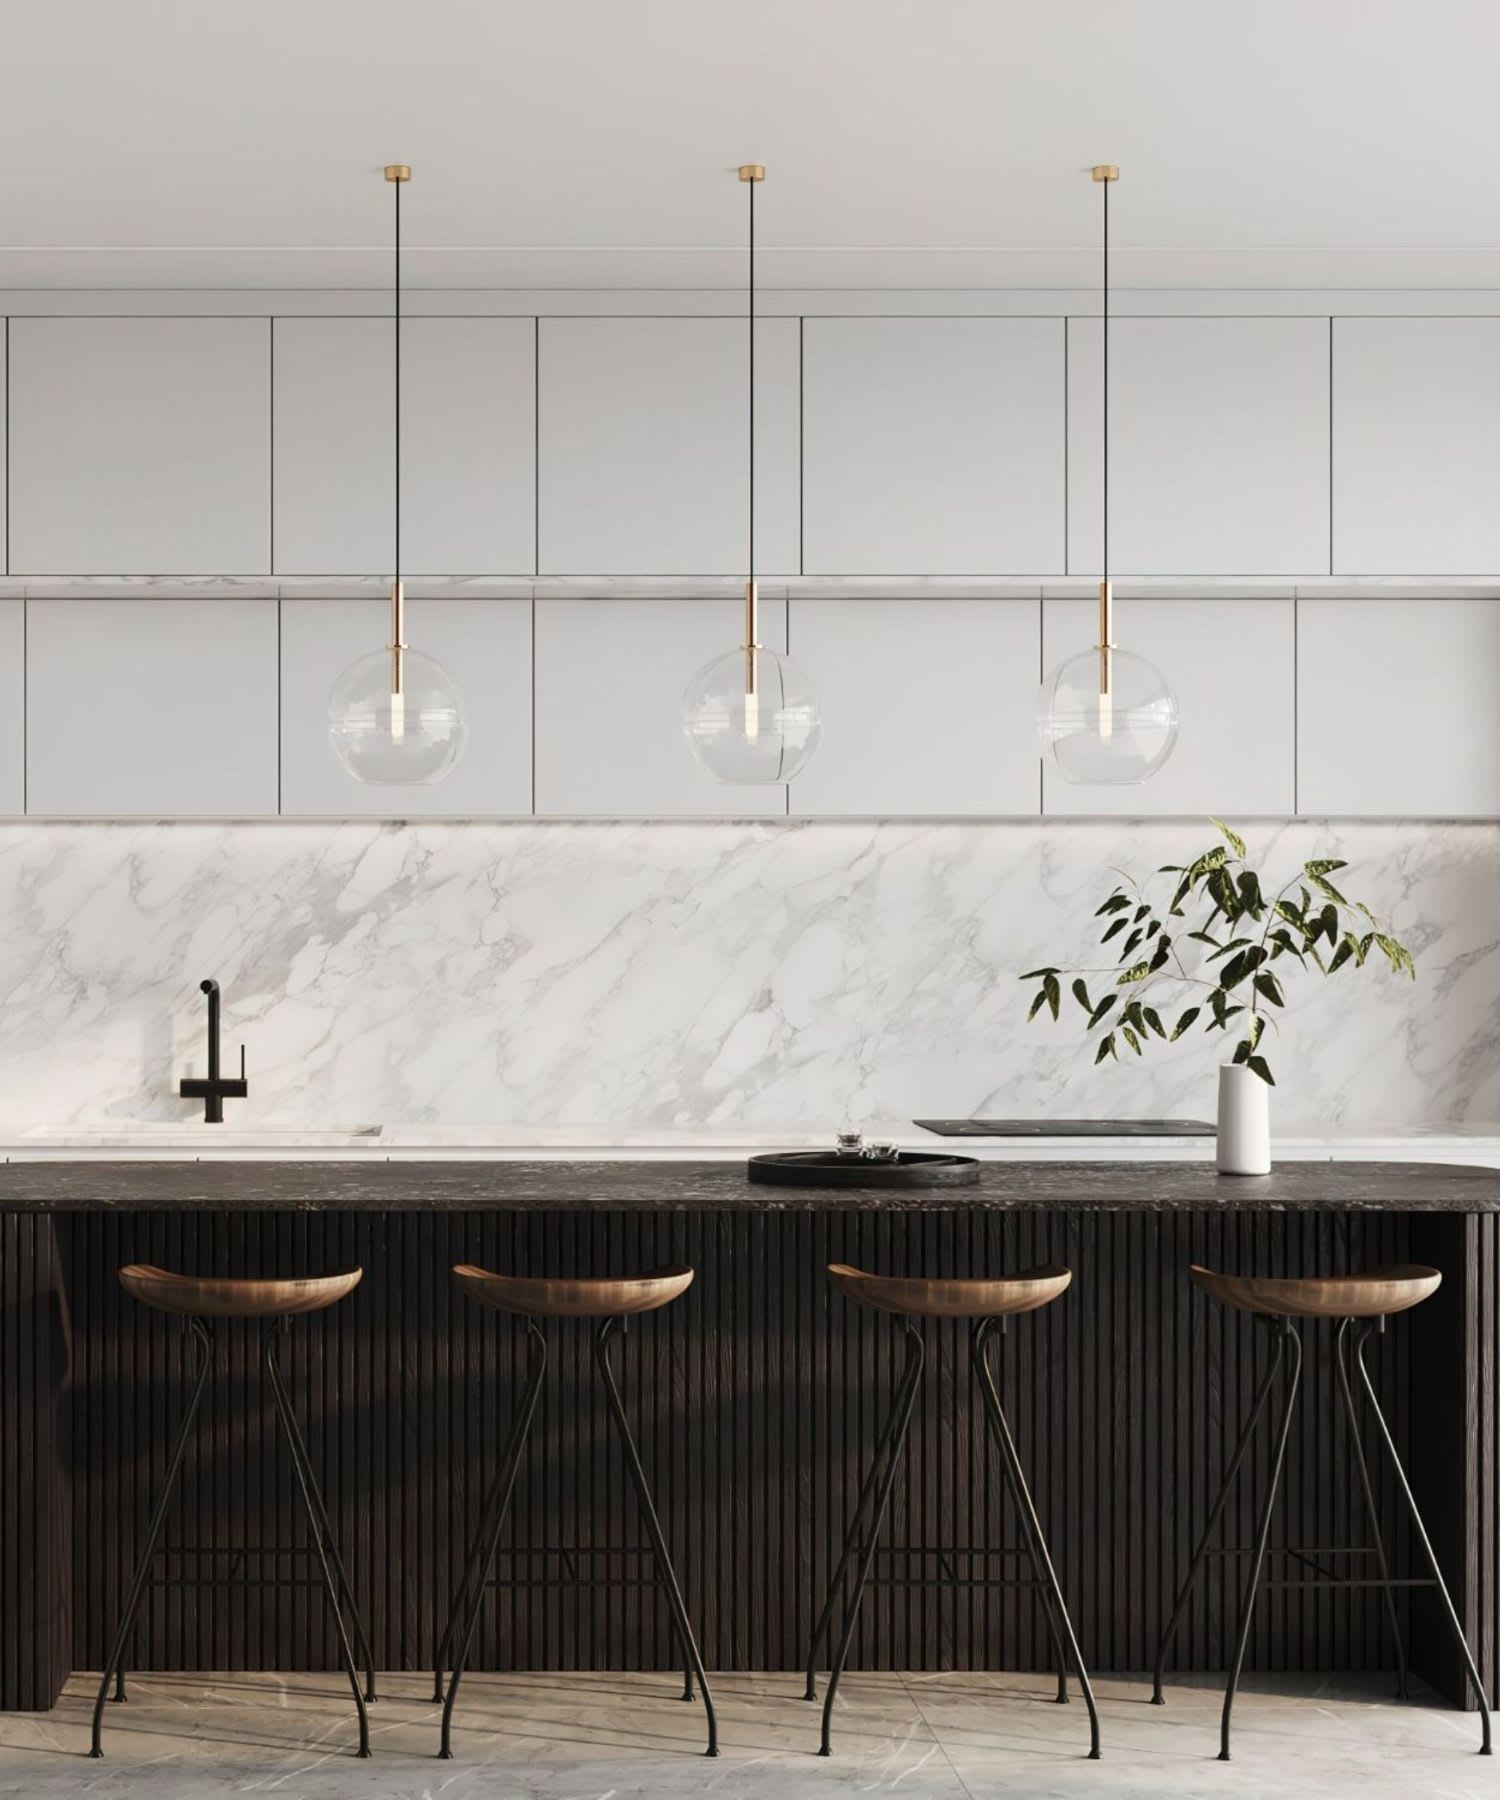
(1247, 944)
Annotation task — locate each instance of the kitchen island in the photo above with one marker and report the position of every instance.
(758, 1400)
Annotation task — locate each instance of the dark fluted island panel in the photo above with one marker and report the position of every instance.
(379, 1186)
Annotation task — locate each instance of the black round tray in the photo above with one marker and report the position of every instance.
(826, 1168)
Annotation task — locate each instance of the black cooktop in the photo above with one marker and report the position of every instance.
(1067, 1127)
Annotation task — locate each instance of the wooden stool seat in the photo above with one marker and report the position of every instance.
(985, 1298)
(213, 1297)
(548, 1297)
(1366, 1296)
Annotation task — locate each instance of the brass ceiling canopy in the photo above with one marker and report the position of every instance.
(398, 171)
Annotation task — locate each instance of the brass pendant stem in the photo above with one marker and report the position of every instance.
(1106, 636)
(398, 636)
(752, 633)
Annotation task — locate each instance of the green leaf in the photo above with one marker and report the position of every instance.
(1052, 994)
(1397, 954)
(1267, 985)
(1036, 1007)
(1294, 915)
(1130, 944)
(1251, 898)
(1138, 972)
(1119, 925)
(1241, 1051)
(1037, 974)
(1131, 1039)
(1152, 929)
(1324, 867)
(1242, 963)
(1106, 1047)
(1160, 955)
(1101, 1009)
(1259, 1066)
(1140, 913)
(1256, 1027)
(1117, 902)
(1153, 1019)
(1224, 949)
(1081, 995)
(1343, 954)
(1327, 887)
(1236, 842)
(1183, 1022)
(1204, 937)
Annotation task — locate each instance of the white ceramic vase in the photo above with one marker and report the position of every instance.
(1244, 1122)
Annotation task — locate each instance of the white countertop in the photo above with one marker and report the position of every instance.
(191, 1140)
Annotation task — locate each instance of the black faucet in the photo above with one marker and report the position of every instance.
(217, 1088)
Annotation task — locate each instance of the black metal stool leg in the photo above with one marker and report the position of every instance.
(323, 1523)
(1372, 1513)
(852, 1535)
(1426, 1542)
(1044, 1592)
(990, 1396)
(1293, 1342)
(510, 1464)
(306, 1488)
(458, 1607)
(113, 1660)
(667, 1575)
(916, 1355)
(1215, 1512)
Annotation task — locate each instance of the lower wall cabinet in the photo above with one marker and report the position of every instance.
(1231, 664)
(151, 708)
(484, 644)
(929, 706)
(610, 676)
(1396, 708)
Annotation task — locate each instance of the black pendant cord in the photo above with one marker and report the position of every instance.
(752, 185)
(1105, 480)
(396, 572)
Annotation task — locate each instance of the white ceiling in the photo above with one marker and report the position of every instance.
(592, 143)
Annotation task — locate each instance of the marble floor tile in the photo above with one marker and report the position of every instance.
(631, 1737)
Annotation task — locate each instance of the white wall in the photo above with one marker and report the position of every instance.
(686, 973)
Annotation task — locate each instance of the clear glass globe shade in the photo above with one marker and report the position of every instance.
(404, 740)
(751, 739)
(1111, 740)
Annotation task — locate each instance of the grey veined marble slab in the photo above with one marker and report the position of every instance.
(624, 1737)
(684, 1186)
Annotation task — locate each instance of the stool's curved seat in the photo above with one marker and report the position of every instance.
(214, 1297)
(1365, 1296)
(558, 1297)
(966, 1298)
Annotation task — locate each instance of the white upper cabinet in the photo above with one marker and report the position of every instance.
(484, 644)
(643, 446)
(610, 676)
(1396, 708)
(468, 434)
(1416, 446)
(140, 446)
(1231, 665)
(1218, 446)
(933, 446)
(929, 706)
(12, 707)
(151, 708)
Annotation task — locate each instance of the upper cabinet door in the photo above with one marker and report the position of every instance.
(1218, 446)
(1396, 708)
(151, 708)
(1416, 446)
(643, 436)
(610, 676)
(12, 707)
(485, 645)
(933, 446)
(140, 446)
(468, 440)
(929, 706)
(1231, 664)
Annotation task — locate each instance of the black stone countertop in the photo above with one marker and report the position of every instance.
(689, 1186)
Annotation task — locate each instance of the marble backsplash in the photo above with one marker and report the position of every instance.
(688, 974)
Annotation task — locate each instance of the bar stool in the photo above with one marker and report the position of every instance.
(200, 1302)
(539, 1299)
(1361, 1304)
(989, 1303)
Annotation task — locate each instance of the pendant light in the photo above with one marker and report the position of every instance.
(751, 716)
(1106, 714)
(396, 718)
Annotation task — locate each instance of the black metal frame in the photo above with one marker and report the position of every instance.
(873, 1504)
(1288, 1349)
(476, 1579)
(333, 1577)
